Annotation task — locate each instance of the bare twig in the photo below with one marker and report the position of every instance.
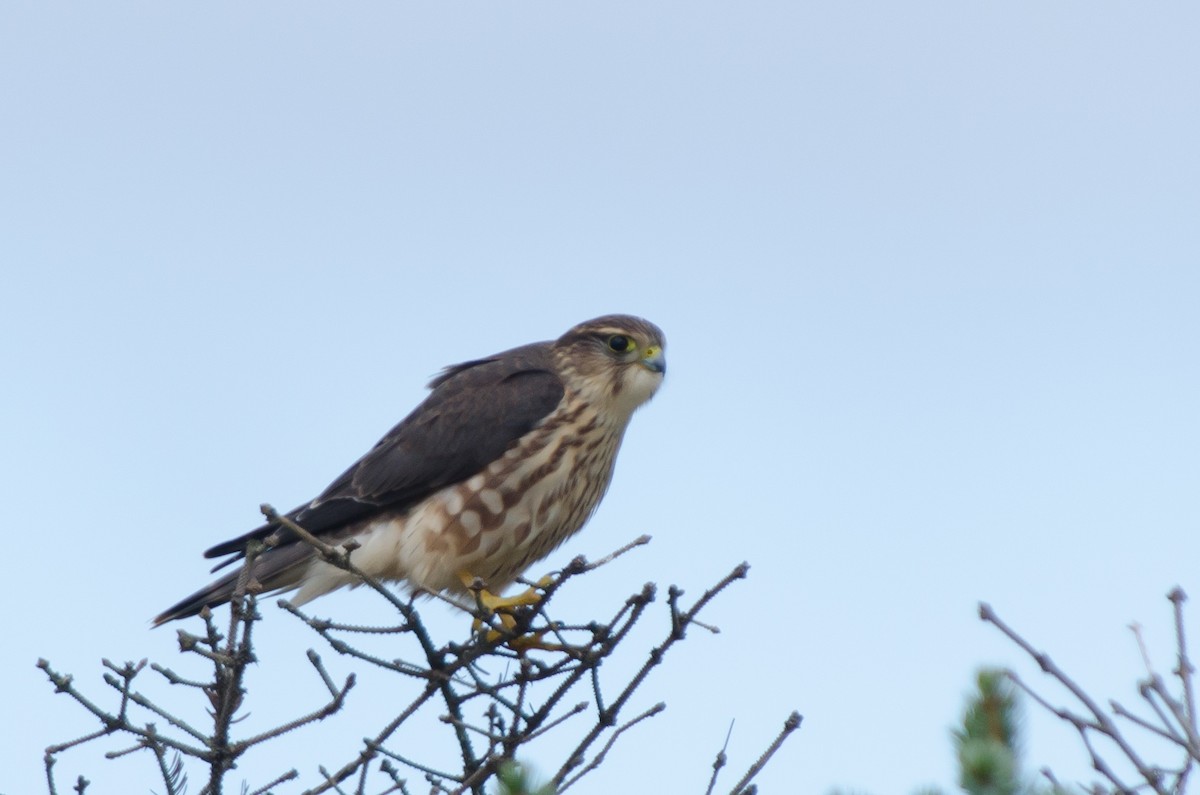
(598, 759)
(720, 761)
(490, 718)
(1176, 717)
(790, 725)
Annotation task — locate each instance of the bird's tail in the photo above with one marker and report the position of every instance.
(278, 569)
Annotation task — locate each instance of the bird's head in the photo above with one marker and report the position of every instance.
(616, 361)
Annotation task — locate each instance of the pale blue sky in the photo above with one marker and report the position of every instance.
(929, 274)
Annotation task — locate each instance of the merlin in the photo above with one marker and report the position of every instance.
(505, 459)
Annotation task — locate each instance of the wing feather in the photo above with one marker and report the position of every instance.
(474, 413)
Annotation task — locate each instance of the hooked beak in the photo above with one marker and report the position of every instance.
(654, 360)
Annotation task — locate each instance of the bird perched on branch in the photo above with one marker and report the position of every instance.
(505, 459)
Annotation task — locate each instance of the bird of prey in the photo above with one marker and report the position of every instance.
(505, 459)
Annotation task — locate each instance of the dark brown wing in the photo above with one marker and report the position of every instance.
(475, 411)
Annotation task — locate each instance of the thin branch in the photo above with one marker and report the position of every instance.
(790, 725)
(1103, 723)
(1176, 717)
(288, 776)
(1184, 668)
(720, 761)
(598, 759)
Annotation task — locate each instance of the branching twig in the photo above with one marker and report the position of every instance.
(1176, 716)
(542, 662)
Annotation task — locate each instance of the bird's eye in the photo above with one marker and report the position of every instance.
(620, 343)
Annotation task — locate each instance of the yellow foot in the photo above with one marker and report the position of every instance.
(523, 643)
(503, 604)
(504, 608)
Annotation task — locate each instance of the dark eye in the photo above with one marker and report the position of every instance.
(619, 343)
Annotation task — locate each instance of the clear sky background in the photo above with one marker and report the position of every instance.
(929, 274)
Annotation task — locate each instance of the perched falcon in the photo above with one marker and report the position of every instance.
(504, 460)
